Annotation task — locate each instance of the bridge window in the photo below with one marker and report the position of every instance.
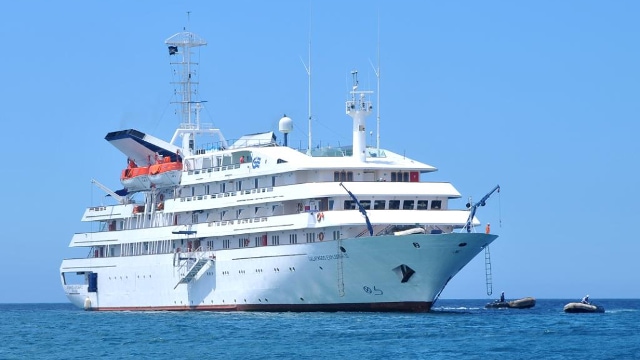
(436, 204)
(366, 204)
(423, 204)
(407, 205)
(379, 204)
(342, 176)
(394, 204)
(349, 205)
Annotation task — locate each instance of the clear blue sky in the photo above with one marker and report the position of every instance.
(541, 97)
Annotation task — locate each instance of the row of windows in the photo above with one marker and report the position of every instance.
(394, 204)
(351, 205)
(395, 176)
(337, 176)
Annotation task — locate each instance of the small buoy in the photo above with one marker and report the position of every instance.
(87, 303)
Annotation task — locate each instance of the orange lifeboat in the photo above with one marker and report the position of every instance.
(135, 178)
(165, 173)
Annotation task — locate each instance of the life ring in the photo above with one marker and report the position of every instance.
(320, 216)
(161, 197)
(321, 236)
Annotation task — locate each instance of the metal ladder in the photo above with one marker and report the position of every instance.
(200, 262)
(340, 269)
(487, 270)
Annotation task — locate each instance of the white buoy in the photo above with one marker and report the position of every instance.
(87, 303)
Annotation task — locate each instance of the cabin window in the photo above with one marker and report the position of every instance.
(226, 243)
(366, 204)
(379, 204)
(407, 205)
(311, 237)
(436, 204)
(293, 238)
(238, 185)
(193, 191)
(257, 241)
(393, 177)
(394, 204)
(336, 234)
(330, 205)
(349, 205)
(243, 242)
(275, 239)
(423, 204)
(343, 176)
(273, 181)
(223, 187)
(255, 183)
(206, 189)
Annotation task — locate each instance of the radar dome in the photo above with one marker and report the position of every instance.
(285, 125)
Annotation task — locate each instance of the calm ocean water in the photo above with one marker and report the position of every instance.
(455, 329)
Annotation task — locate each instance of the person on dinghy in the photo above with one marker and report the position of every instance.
(585, 300)
(502, 297)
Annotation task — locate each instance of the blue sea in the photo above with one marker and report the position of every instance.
(454, 329)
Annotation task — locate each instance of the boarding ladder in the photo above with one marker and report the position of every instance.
(200, 262)
(340, 268)
(487, 270)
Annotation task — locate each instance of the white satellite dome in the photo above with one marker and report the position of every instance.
(285, 125)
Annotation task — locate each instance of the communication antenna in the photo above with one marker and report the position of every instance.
(308, 69)
(377, 71)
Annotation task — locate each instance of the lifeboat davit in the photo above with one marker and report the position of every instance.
(135, 178)
(165, 173)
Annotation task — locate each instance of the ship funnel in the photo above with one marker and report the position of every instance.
(359, 107)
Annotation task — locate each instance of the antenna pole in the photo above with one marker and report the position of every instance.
(377, 72)
(309, 76)
(378, 92)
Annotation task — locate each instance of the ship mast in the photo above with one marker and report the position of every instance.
(180, 48)
(358, 107)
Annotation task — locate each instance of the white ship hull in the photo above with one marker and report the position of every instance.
(366, 276)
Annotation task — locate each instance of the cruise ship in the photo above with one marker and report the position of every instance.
(203, 223)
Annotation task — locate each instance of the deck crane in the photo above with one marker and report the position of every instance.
(475, 206)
